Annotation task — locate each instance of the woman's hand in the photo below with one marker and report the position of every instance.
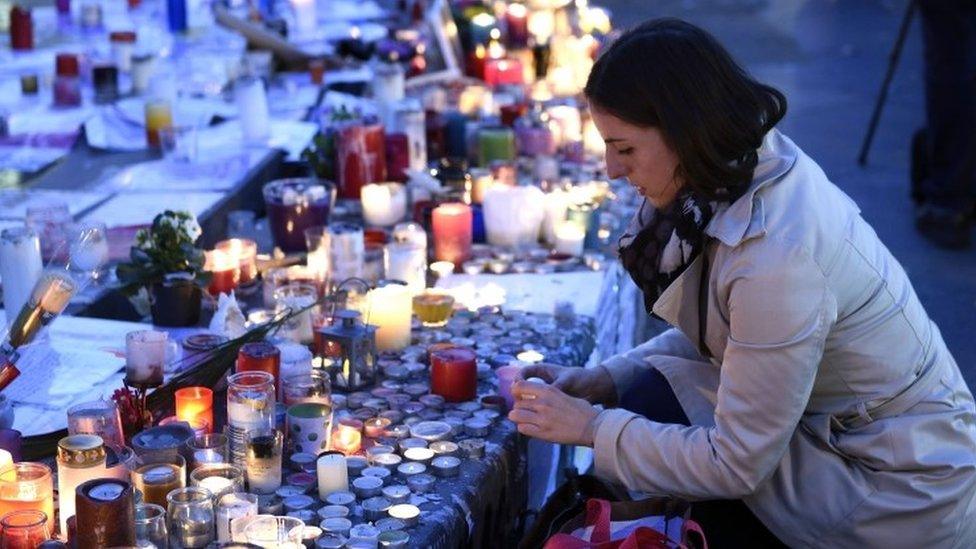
(543, 411)
(592, 384)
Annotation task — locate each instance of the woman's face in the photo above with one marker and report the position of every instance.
(640, 155)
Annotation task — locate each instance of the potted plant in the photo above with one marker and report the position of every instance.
(165, 272)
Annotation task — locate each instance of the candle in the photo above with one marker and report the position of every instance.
(361, 155)
(384, 203)
(252, 109)
(79, 458)
(105, 79)
(454, 374)
(195, 403)
(495, 143)
(218, 478)
(25, 529)
(6, 460)
(67, 82)
(260, 356)
(151, 525)
(208, 449)
(406, 512)
(231, 507)
(244, 253)
(21, 28)
(295, 205)
(332, 474)
(145, 356)
(313, 387)
(158, 475)
(306, 16)
(513, 215)
(309, 426)
(503, 72)
(20, 267)
(411, 120)
(264, 461)
(376, 427)
(250, 406)
(406, 262)
(452, 232)
(389, 309)
(556, 203)
(388, 84)
(517, 25)
(348, 436)
(586, 218)
(190, 517)
(433, 308)
(159, 115)
(122, 43)
(28, 486)
(105, 514)
(397, 146)
(296, 297)
(569, 239)
(280, 532)
(347, 251)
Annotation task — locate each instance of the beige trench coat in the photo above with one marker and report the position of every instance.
(830, 403)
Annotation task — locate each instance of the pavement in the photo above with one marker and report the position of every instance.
(829, 58)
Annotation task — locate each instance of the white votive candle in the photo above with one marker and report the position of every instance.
(569, 238)
(332, 474)
(390, 308)
(384, 203)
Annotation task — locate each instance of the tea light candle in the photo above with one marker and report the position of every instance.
(446, 466)
(390, 524)
(411, 468)
(405, 512)
(388, 461)
(473, 448)
(379, 472)
(333, 474)
(420, 455)
(444, 448)
(394, 539)
(244, 253)
(355, 465)
(384, 203)
(452, 232)
(363, 535)
(376, 427)
(569, 239)
(346, 499)
(421, 483)
(336, 525)
(375, 508)
(195, 403)
(333, 511)
(390, 308)
(477, 427)
(397, 493)
(224, 271)
(347, 437)
(367, 487)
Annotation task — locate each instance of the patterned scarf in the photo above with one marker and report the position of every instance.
(660, 244)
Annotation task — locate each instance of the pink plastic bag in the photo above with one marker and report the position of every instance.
(602, 537)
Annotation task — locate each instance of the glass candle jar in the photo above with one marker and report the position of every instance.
(195, 403)
(250, 407)
(20, 267)
(260, 356)
(294, 205)
(244, 252)
(209, 448)
(231, 507)
(158, 115)
(157, 475)
(219, 479)
(145, 357)
(88, 250)
(199, 348)
(406, 262)
(99, 417)
(452, 230)
(263, 463)
(312, 387)
(151, 525)
(28, 486)
(296, 297)
(433, 308)
(67, 80)
(80, 458)
(283, 532)
(190, 517)
(24, 529)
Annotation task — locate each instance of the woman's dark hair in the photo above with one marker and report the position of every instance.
(672, 75)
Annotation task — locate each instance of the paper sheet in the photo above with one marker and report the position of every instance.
(129, 209)
(14, 203)
(209, 174)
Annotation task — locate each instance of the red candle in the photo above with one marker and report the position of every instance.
(260, 356)
(225, 272)
(453, 374)
(397, 156)
(500, 72)
(244, 252)
(361, 155)
(475, 65)
(195, 403)
(21, 29)
(511, 113)
(452, 232)
(517, 25)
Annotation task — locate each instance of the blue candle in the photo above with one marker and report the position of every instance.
(456, 134)
(176, 15)
(477, 224)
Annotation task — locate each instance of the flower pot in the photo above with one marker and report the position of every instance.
(175, 303)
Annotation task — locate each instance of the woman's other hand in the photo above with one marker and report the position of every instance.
(591, 384)
(543, 411)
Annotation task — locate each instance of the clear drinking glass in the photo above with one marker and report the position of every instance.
(151, 524)
(99, 417)
(24, 529)
(51, 223)
(190, 517)
(88, 251)
(275, 532)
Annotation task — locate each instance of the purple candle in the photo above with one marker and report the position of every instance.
(294, 205)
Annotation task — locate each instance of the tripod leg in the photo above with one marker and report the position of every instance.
(906, 21)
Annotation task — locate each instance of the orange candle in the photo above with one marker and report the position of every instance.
(194, 403)
(244, 252)
(28, 486)
(225, 272)
(159, 115)
(348, 436)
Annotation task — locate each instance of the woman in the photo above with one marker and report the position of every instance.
(814, 387)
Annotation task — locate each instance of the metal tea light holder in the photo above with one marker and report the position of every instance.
(354, 343)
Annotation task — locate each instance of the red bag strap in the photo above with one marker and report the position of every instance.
(646, 538)
(598, 516)
(691, 526)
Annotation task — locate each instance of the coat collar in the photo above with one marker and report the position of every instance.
(745, 218)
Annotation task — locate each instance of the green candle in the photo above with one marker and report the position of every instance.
(495, 144)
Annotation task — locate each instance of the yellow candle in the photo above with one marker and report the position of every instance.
(159, 115)
(389, 310)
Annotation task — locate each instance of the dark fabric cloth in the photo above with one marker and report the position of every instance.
(949, 36)
(726, 523)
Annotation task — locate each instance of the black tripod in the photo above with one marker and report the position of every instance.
(906, 23)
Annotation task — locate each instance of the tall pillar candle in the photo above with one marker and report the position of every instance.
(21, 28)
(347, 251)
(497, 143)
(106, 516)
(410, 119)
(80, 458)
(361, 156)
(390, 308)
(452, 232)
(252, 107)
(333, 474)
(20, 267)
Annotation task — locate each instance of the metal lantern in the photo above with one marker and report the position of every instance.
(351, 346)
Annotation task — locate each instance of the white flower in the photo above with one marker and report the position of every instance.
(190, 227)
